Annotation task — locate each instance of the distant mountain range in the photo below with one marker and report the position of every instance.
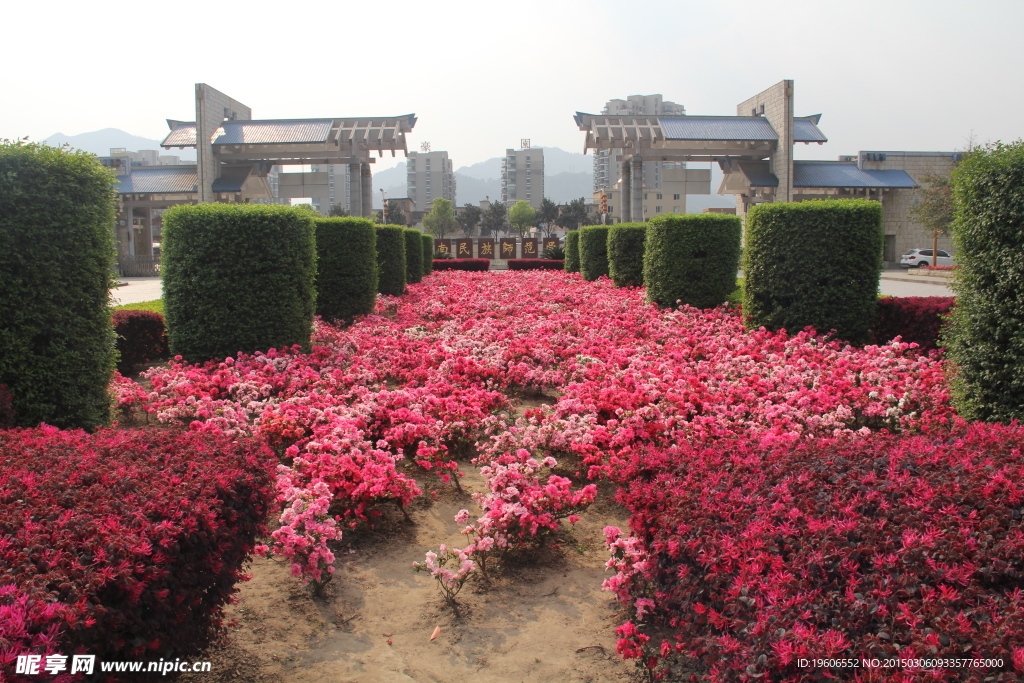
(100, 142)
(567, 176)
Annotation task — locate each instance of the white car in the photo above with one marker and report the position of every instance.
(918, 258)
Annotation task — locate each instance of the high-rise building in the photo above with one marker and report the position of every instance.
(606, 172)
(522, 176)
(429, 175)
(338, 187)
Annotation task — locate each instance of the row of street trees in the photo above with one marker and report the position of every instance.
(519, 219)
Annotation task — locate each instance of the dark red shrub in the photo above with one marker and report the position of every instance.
(462, 264)
(535, 264)
(124, 543)
(748, 559)
(915, 318)
(141, 338)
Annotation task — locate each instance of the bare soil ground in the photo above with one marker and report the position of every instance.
(542, 619)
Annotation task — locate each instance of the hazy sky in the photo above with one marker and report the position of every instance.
(886, 75)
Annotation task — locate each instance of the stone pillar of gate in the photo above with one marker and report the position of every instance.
(627, 216)
(366, 186)
(636, 172)
(355, 190)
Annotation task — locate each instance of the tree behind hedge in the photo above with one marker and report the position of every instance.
(692, 259)
(626, 254)
(413, 256)
(985, 339)
(814, 263)
(346, 268)
(391, 263)
(572, 251)
(593, 249)
(428, 253)
(237, 278)
(57, 210)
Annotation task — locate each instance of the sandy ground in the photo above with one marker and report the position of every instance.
(544, 619)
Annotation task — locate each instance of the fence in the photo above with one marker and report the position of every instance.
(138, 266)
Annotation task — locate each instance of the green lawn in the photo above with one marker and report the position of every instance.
(157, 306)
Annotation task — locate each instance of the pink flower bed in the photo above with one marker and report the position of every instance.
(683, 397)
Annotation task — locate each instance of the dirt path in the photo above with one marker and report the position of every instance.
(543, 621)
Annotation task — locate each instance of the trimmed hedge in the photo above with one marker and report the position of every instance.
(814, 263)
(428, 253)
(413, 255)
(57, 210)
(593, 249)
(391, 262)
(572, 251)
(480, 264)
(918, 319)
(692, 259)
(126, 543)
(626, 254)
(237, 278)
(141, 338)
(346, 277)
(535, 264)
(986, 333)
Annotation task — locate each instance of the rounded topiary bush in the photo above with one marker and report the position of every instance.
(413, 255)
(347, 267)
(626, 254)
(391, 263)
(814, 263)
(428, 253)
(593, 248)
(691, 259)
(57, 251)
(237, 278)
(985, 338)
(572, 251)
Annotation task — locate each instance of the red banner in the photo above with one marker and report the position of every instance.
(508, 248)
(485, 248)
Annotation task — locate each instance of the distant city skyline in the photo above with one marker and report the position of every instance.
(908, 75)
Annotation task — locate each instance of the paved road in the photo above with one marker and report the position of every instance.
(893, 283)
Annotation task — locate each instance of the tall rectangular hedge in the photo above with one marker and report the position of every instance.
(814, 263)
(428, 253)
(347, 267)
(413, 255)
(57, 250)
(572, 251)
(985, 339)
(691, 259)
(391, 262)
(593, 246)
(237, 278)
(626, 254)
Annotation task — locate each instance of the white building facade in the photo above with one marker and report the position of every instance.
(522, 176)
(429, 175)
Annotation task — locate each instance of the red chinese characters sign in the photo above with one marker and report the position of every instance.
(485, 248)
(443, 246)
(550, 243)
(508, 247)
(464, 247)
(530, 248)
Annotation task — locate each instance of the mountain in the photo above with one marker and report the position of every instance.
(100, 142)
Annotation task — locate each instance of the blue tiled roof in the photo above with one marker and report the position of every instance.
(805, 129)
(273, 132)
(182, 135)
(717, 128)
(160, 180)
(846, 174)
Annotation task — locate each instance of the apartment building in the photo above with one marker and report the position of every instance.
(429, 175)
(606, 171)
(522, 176)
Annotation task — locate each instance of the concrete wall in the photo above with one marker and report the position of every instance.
(776, 105)
(212, 107)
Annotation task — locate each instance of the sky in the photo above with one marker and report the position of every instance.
(886, 75)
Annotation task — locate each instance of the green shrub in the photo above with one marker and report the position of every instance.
(57, 250)
(814, 263)
(593, 248)
(413, 255)
(626, 254)
(428, 253)
(572, 251)
(391, 263)
(691, 259)
(347, 267)
(985, 339)
(237, 278)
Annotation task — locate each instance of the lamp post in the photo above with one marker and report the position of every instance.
(384, 210)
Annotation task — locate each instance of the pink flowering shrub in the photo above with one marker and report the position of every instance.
(747, 558)
(123, 543)
(450, 567)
